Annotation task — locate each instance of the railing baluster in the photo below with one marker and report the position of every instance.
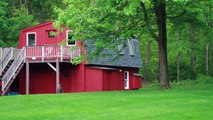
(61, 47)
(42, 50)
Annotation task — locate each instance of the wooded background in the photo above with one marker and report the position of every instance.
(187, 32)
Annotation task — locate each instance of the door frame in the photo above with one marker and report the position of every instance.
(27, 40)
(126, 86)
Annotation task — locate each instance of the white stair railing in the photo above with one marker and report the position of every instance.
(11, 72)
(7, 55)
(1, 53)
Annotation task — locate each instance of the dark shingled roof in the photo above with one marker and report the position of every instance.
(123, 60)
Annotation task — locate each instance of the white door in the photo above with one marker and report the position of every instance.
(31, 39)
(126, 79)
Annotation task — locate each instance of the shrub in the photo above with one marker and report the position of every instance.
(186, 72)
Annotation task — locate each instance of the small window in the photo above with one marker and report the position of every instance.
(131, 47)
(69, 36)
(66, 74)
(51, 34)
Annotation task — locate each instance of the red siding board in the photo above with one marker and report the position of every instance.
(77, 76)
(42, 35)
(94, 81)
(76, 79)
(113, 80)
(43, 79)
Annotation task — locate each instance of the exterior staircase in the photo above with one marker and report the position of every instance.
(11, 64)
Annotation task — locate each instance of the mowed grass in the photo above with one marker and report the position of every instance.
(149, 103)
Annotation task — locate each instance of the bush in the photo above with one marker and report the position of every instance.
(201, 80)
(186, 72)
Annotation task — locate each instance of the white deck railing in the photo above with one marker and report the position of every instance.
(51, 52)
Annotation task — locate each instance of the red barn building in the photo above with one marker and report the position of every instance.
(41, 64)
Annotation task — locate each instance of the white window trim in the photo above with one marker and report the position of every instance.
(67, 33)
(127, 85)
(27, 43)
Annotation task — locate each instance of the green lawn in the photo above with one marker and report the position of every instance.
(149, 103)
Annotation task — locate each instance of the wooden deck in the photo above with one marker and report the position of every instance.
(42, 53)
(12, 60)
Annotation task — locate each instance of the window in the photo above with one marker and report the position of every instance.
(66, 74)
(51, 34)
(31, 39)
(131, 47)
(69, 36)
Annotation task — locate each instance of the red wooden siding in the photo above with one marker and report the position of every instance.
(136, 82)
(65, 76)
(94, 79)
(77, 76)
(113, 80)
(42, 35)
(108, 80)
(42, 79)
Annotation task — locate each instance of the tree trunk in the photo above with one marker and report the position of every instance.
(192, 40)
(178, 67)
(20, 2)
(146, 66)
(160, 12)
(26, 4)
(178, 58)
(207, 58)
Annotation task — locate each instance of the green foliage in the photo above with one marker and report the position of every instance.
(200, 81)
(3, 22)
(203, 80)
(78, 60)
(197, 16)
(101, 21)
(18, 15)
(186, 72)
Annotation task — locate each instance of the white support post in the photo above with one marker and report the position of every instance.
(42, 53)
(61, 53)
(57, 76)
(25, 54)
(27, 77)
(79, 52)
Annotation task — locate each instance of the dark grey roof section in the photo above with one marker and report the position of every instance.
(122, 60)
